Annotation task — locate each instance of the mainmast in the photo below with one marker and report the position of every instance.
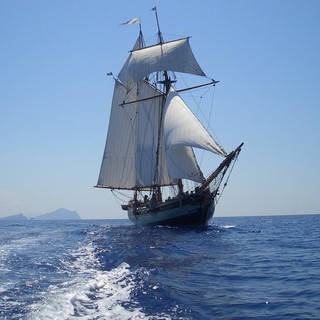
(167, 82)
(157, 189)
(158, 25)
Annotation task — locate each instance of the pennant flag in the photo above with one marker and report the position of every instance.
(154, 9)
(132, 21)
(109, 74)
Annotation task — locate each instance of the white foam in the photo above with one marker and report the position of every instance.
(228, 226)
(12, 248)
(91, 294)
(98, 297)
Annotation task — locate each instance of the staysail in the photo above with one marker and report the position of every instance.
(182, 132)
(181, 127)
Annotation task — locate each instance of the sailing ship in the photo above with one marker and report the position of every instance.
(151, 138)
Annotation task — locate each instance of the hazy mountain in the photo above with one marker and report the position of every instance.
(19, 216)
(59, 214)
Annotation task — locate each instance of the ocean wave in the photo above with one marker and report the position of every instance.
(228, 226)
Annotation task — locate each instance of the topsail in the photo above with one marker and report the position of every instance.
(170, 56)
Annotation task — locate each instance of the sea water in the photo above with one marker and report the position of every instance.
(236, 268)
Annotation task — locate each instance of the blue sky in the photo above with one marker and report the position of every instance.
(55, 97)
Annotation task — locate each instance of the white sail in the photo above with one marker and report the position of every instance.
(147, 133)
(171, 56)
(182, 128)
(118, 163)
(129, 159)
(182, 164)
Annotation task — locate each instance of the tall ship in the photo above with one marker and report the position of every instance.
(153, 136)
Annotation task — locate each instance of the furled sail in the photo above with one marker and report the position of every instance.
(182, 128)
(171, 56)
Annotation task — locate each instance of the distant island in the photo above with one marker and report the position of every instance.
(59, 214)
(19, 217)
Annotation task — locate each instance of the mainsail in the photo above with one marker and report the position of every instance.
(129, 158)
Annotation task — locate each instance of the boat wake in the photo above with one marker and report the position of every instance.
(91, 293)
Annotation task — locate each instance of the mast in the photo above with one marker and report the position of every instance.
(167, 84)
(141, 38)
(158, 25)
(156, 174)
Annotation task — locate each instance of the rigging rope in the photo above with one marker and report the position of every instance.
(228, 177)
(118, 199)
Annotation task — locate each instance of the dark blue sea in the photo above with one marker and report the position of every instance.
(236, 268)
